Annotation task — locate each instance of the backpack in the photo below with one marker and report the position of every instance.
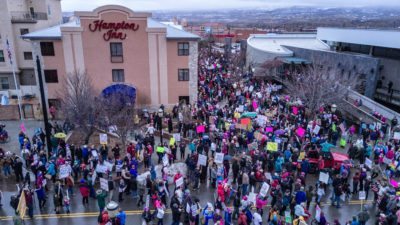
(14, 200)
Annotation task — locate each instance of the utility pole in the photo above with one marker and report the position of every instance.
(44, 106)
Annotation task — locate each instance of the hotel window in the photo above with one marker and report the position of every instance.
(183, 74)
(183, 48)
(116, 52)
(47, 48)
(4, 84)
(118, 75)
(28, 56)
(184, 99)
(2, 56)
(23, 31)
(51, 76)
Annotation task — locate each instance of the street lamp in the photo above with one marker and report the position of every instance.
(112, 209)
(161, 115)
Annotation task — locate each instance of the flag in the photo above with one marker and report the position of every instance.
(21, 209)
(9, 51)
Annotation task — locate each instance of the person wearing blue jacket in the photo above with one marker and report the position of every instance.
(121, 216)
(300, 196)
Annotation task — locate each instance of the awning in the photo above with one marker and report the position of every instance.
(126, 93)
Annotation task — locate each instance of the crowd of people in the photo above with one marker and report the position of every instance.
(254, 146)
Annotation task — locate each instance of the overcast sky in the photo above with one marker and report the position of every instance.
(78, 5)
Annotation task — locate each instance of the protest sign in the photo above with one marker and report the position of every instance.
(165, 160)
(272, 146)
(368, 163)
(324, 177)
(252, 146)
(241, 126)
(103, 139)
(362, 195)
(179, 182)
(316, 129)
(317, 213)
(94, 176)
(109, 165)
(387, 161)
(245, 121)
(101, 168)
(104, 184)
(300, 132)
(288, 217)
(64, 171)
(264, 189)
(177, 136)
(302, 155)
(219, 157)
(202, 160)
(342, 128)
(172, 141)
(240, 108)
(269, 129)
(269, 176)
(200, 129)
(396, 135)
(252, 198)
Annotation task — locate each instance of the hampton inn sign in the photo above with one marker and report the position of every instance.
(113, 30)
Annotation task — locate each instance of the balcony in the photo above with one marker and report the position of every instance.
(27, 17)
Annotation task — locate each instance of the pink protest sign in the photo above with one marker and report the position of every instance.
(394, 183)
(200, 129)
(295, 110)
(255, 106)
(300, 132)
(269, 129)
(22, 126)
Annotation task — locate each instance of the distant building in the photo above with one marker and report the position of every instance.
(19, 17)
(371, 54)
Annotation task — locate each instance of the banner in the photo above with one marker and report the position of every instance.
(219, 157)
(324, 177)
(104, 184)
(22, 205)
(272, 146)
(64, 171)
(103, 139)
(202, 160)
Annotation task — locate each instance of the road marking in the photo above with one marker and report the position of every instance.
(138, 212)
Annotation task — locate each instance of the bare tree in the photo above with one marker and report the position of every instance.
(79, 103)
(314, 84)
(118, 111)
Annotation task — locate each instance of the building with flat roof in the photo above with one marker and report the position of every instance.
(19, 17)
(117, 46)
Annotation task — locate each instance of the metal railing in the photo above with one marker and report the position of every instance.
(18, 17)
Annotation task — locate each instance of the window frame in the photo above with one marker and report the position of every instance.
(26, 31)
(183, 51)
(1, 83)
(47, 50)
(2, 57)
(118, 74)
(116, 54)
(31, 56)
(47, 76)
(183, 74)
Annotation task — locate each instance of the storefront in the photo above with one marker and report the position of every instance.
(114, 45)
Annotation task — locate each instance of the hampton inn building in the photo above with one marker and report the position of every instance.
(119, 48)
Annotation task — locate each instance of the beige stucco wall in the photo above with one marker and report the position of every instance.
(56, 62)
(176, 88)
(135, 52)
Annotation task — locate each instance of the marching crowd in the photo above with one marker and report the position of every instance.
(254, 146)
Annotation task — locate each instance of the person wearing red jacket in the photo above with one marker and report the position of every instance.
(242, 220)
(131, 149)
(84, 189)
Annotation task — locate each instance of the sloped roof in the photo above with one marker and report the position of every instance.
(275, 43)
(51, 33)
(54, 33)
(172, 32)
